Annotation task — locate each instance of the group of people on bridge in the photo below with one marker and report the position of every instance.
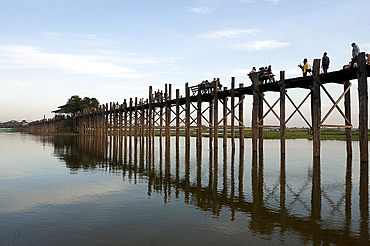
(265, 74)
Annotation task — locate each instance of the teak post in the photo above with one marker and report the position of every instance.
(255, 109)
(241, 118)
(347, 107)
(363, 107)
(215, 113)
(232, 112)
(316, 107)
(282, 112)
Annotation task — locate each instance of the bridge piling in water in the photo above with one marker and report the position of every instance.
(140, 122)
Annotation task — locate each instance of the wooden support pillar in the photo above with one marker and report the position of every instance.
(107, 110)
(241, 118)
(316, 108)
(130, 118)
(347, 108)
(120, 121)
(363, 107)
(125, 118)
(199, 117)
(232, 112)
(168, 114)
(110, 118)
(177, 116)
(136, 121)
(150, 113)
(187, 114)
(225, 119)
(215, 113)
(260, 119)
(211, 125)
(255, 109)
(282, 112)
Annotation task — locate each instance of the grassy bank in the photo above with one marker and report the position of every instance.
(290, 134)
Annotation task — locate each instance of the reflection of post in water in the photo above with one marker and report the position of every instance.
(210, 176)
(255, 193)
(316, 201)
(224, 190)
(282, 194)
(260, 176)
(187, 172)
(364, 203)
(135, 158)
(120, 149)
(167, 173)
(241, 174)
(177, 169)
(215, 182)
(199, 173)
(348, 203)
(232, 184)
(160, 165)
(115, 149)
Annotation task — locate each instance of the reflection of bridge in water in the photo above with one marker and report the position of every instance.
(172, 171)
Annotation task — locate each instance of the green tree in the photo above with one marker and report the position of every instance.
(75, 104)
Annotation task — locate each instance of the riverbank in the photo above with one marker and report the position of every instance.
(267, 134)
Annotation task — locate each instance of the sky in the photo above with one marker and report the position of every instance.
(114, 50)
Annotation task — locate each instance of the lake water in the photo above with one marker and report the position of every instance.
(78, 190)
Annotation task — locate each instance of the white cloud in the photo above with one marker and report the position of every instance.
(13, 82)
(273, 1)
(231, 33)
(18, 56)
(204, 7)
(262, 45)
(200, 10)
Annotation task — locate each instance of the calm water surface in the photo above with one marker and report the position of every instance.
(75, 190)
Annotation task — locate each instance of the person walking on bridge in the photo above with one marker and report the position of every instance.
(305, 68)
(325, 62)
(355, 52)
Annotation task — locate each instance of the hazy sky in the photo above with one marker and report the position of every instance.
(112, 50)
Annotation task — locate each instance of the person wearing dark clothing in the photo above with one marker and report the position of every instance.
(325, 63)
(355, 52)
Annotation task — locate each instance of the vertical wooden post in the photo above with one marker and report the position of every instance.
(169, 110)
(136, 122)
(211, 124)
(107, 110)
(177, 116)
(347, 107)
(120, 121)
(316, 108)
(167, 115)
(215, 113)
(199, 117)
(363, 107)
(125, 119)
(110, 118)
(282, 112)
(232, 112)
(241, 117)
(255, 109)
(187, 113)
(130, 119)
(150, 113)
(225, 118)
(260, 119)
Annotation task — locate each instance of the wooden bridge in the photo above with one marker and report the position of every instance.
(199, 111)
